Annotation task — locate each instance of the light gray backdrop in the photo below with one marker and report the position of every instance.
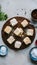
(14, 8)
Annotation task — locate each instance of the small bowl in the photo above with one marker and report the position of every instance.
(3, 50)
(34, 15)
(33, 54)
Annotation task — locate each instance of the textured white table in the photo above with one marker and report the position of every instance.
(12, 8)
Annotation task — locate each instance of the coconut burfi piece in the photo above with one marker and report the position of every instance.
(13, 22)
(10, 40)
(27, 40)
(30, 32)
(18, 31)
(17, 44)
(24, 23)
(8, 29)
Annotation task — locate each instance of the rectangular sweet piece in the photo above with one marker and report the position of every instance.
(10, 40)
(8, 29)
(24, 23)
(17, 44)
(27, 40)
(30, 32)
(13, 22)
(18, 31)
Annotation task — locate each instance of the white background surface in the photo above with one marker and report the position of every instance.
(12, 7)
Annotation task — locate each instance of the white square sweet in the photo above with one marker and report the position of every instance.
(18, 31)
(8, 29)
(27, 40)
(17, 44)
(24, 23)
(13, 22)
(30, 32)
(10, 40)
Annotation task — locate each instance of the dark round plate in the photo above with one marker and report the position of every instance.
(5, 36)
